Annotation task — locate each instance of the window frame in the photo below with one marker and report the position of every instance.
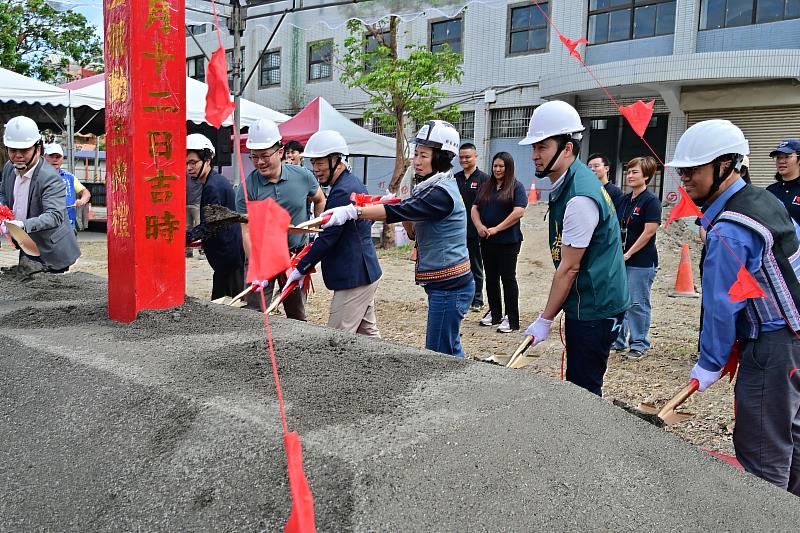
(309, 48)
(632, 5)
(753, 17)
(441, 20)
(384, 33)
(511, 8)
(193, 60)
(261, 84)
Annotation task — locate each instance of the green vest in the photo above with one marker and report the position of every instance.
(601, 288)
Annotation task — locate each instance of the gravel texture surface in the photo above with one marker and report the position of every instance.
(171, 422)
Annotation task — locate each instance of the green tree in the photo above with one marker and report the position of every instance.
(400, 87)
(37, 40)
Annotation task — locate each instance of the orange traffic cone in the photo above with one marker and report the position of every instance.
(533, 197)
(684, 284)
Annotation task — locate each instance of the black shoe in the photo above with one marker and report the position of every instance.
(636, 354)
(476, 307)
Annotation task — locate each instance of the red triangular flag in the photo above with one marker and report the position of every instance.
(571, 45)
(301, 519)
(269, 249)
(684, 208)
(638, 115)
(218, 98)
(745, 287)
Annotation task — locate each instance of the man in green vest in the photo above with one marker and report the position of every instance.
(589, 284)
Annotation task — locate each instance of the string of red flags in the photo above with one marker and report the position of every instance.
(745, 287)
(638, 115)
(218, 98)
(684, 208)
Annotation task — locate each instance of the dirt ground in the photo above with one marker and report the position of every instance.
(401, 309)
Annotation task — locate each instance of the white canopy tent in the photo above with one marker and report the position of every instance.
(91, 92)
(24, 90)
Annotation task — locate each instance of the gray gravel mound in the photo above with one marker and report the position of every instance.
(171, 422)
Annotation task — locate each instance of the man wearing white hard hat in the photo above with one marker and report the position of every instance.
(291, 186)
(590, 283)
(77, 194)
(223, 246)
(746, 227)
(36, 194)
(349, 263)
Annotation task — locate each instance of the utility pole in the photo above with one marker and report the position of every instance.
(236, 24)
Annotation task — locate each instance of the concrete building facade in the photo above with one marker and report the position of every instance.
(698, 59)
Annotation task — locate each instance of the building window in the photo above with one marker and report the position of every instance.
(716, 14)
(528, 29)
(446, 32)
(196, 68)
(358, 121)
(372, 46)
(380, 129)
(195, 29)
(621, 20)
(465, 125)
(510, 122)
(270, 69)
(319, 60)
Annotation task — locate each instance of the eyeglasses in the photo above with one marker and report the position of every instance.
(687, 172)
(265, 156)
(783, 157)
(192, 162)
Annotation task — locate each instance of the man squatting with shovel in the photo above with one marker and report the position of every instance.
(349, 263)
(747, 229)
(590, 283)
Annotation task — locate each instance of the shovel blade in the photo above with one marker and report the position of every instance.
(497, 359)
(521, 362)
(675, 417)
(225, 300)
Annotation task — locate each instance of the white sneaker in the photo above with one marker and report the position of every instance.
(487, 319)
(504, 327)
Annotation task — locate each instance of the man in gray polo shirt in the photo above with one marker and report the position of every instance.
(289, 185)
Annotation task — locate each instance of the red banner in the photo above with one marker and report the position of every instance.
(145, 58)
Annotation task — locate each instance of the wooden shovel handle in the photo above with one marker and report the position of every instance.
(523, 346)
(242, 294)
(318, 221)
(679, 398)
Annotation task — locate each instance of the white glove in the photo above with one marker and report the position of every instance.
(705, 377)
(296, 276)
(539, 330)
(340, 215)
(17, 223)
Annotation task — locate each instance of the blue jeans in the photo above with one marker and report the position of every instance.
(635, 327)
(446, 310)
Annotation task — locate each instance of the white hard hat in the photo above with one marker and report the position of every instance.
(199, 142)
(326, 142)
(263, 133)
(21, 133)
(706, 141)
(54, 148)
(439, 134)
(551, 119)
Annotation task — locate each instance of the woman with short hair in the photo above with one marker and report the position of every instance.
(498, 208)
(639, 214)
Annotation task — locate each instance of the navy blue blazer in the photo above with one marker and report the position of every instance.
(347, 253)
(222, 246)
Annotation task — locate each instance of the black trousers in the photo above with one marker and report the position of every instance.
(476, 266)
(500, 264)
(227, 283)
(588, 344)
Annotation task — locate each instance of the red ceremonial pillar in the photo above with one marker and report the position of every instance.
(145, 58)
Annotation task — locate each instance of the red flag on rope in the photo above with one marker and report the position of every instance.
(364, 200)
(638, 115)
(301, 519)
(572, 45)
(269, 249)
(218, 98)
(684, 208)
(733, 363)
(745, 287)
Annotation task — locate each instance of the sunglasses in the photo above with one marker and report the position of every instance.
(687, 171)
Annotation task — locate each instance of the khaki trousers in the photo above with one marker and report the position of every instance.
(353, 310)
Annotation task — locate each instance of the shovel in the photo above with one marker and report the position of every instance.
(219, 215)
(518, 358)
(23, 239)
(668, 415)
(318, 221)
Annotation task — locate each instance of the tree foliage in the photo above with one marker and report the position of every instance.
(37, 40)
(400, 86)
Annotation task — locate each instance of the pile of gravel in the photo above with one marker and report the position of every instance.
(171, 422)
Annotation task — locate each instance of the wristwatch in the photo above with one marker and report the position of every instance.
(358, 212)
